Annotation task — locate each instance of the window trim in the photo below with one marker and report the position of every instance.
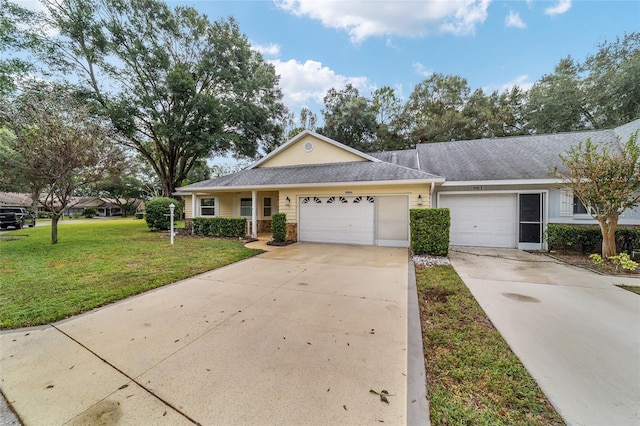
(579, 209)
(264, 207)
(201, 206)
(250, 206)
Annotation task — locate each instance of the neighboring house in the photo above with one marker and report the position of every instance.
(500, 191)
(16, 199)
(104, 206)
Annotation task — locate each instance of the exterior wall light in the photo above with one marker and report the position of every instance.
(287, 201)
(419, 199)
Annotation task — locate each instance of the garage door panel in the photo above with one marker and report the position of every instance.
(487, 220)
(337, 222)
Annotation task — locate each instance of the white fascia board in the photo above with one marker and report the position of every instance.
(316, 185)
(502, 182)
(304, 133)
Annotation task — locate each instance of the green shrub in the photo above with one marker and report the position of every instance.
(229, 227)
(430, 231)
(628, 239)
(44, 215)
(586, 238)
(157, 213)
(139, 215)
(573, 237)
(279, 227)
(89, 213)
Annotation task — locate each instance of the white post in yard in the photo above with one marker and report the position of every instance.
(172, 207)
(254, 214)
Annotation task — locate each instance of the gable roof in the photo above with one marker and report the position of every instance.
(353, 172)
(302, 135)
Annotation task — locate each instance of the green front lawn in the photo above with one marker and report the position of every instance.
(96, 263)
(473, 378)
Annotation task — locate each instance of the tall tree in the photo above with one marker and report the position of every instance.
(496, 115)
(606, 178)
(56, 145)
(434, 110)
(15, 41)
(612, 82)
(177, 87)
(307, 120)
(349, 118)
(389, 132)
(557, 101)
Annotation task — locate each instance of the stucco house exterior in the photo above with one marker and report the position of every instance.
(500, 191)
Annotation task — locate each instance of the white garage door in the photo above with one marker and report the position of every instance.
(488, 220)
(348, 220)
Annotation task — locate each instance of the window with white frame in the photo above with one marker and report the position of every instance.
(266, 207)
(207, 207)
(245, 207)
(578, 207)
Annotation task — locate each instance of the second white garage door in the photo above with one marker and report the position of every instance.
(347, 220)
(487, 220)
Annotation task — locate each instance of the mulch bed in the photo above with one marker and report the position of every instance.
(582, 260)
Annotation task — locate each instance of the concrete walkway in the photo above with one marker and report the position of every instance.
(576, 333)
(298, 335)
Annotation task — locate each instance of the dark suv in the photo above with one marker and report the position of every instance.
(16, 217)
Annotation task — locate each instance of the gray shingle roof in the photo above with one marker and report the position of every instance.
(358, 171)
(406, 158)
(520, 157)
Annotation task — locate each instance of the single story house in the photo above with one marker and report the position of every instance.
(103, 206)
(500, 191)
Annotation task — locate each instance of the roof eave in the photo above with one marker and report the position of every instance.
(426, 181)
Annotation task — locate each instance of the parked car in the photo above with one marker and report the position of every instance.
(16, 217)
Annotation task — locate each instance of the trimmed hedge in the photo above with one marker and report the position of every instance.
(89, 212)
(157, 213)
(430, 231)
(279, 227)
(587, 238)
(228, 227)
(139, 215)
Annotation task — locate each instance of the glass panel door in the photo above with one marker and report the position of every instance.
(531, 217)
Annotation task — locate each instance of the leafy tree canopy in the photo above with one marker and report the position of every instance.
(606, 178)
(56, 145)
(177, 87)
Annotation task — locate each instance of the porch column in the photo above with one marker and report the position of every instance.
(254, 214)
(194, 205)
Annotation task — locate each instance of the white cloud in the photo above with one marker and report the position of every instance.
(419, 68)
(562, 7)
(307, 82)
(514, 20)
(271, 49)
(364, 19)
(522, 81)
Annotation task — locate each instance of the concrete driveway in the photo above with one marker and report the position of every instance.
(576, 333)
(298, 335)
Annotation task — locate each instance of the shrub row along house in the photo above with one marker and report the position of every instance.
(103, 206)
(501, 192)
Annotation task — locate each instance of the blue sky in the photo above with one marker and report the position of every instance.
(316, 44)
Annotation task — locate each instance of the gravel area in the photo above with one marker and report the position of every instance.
(7, 417)
(430, 260)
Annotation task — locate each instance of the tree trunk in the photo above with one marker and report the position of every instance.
(54, 228)
(608, 227)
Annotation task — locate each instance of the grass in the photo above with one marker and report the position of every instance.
(631, 288)
(473, 377)
(96, 263)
